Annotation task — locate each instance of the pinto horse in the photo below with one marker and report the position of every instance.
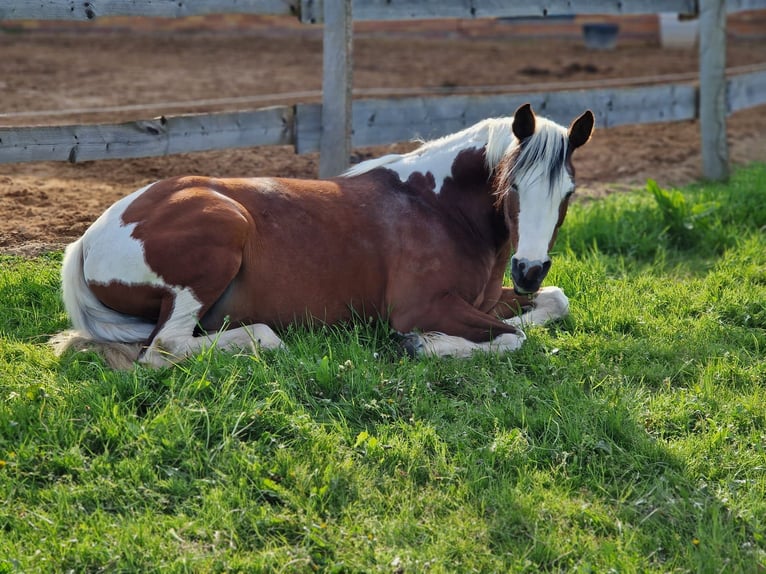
(421, 240)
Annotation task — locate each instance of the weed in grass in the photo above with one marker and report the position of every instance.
(685, 224)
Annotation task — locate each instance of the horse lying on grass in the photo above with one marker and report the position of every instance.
(421, 240)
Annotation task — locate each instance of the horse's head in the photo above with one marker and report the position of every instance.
(535, 180)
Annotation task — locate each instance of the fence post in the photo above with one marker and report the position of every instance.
(712, 98)
(335, 138)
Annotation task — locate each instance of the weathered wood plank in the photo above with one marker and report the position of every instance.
(337, 81)
(742, 5)
(90, 10)
(311, 10)
(713, 87)
(746, 91)
(384, 121)
(376, 121)
(161, 136)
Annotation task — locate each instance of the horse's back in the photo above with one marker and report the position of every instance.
(249, 250)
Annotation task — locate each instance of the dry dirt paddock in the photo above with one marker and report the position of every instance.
(45, 205)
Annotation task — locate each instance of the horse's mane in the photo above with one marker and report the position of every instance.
(540, 156)
(494, 133)
(370, 164)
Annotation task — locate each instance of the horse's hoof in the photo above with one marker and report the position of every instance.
(412, 343)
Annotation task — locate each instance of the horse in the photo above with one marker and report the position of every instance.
(420, 240)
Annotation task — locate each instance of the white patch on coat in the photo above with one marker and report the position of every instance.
(263, 185)
(437, 156)
(93, 258)
(109, 236)
(550, 304)
(441, 345)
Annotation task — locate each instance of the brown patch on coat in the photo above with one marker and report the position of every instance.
(136, 300)
(192, 236)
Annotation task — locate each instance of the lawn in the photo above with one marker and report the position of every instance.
(629, 437)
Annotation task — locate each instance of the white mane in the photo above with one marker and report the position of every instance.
(537, 161)
(494, 133)
(541, 159)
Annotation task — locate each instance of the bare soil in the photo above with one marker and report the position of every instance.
(45, 205)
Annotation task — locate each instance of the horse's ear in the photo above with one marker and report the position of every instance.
(581, 129)
(524, 122)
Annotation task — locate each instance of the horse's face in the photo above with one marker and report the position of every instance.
(537, 182)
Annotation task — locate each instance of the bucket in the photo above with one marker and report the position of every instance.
(600, 35)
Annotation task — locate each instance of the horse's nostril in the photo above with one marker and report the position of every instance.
(522, 266)
(546, 266)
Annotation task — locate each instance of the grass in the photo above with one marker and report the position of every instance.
(629, 437)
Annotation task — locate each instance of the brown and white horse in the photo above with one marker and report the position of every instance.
(421, 240)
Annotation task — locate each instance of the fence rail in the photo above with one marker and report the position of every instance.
(375, 121)
(147, 138)
(87, 11)
(312, 11)
(379, 121)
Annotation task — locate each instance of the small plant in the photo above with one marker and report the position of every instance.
(685, 223)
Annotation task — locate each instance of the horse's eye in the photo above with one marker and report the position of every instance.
(515, 187)
(569, 194)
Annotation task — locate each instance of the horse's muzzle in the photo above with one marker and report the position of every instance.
(528, 275)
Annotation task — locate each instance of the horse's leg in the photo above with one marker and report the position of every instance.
(179, 312)
(174, 337)
(548, 304)
(199, 257)
(455, 328)
(438, 344)
(248, 338)
(510, 304)
(245, 338)
(182, 308)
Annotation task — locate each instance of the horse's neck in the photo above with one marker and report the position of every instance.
(460, 171)
(472, 152)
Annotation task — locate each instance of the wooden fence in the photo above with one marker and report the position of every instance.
(339, 123)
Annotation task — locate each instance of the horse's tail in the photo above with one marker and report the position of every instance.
(117, 337)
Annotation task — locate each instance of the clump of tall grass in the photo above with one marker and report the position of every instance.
(705, 218)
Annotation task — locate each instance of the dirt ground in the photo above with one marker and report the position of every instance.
(45, 205)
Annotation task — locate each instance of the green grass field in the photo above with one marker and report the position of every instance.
(630, 437)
